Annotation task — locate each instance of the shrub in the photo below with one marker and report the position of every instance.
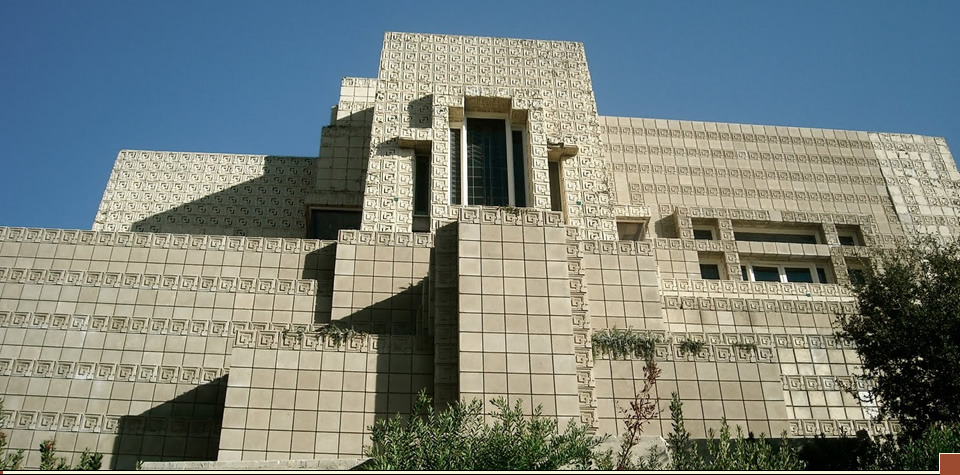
(915, 454)
(457, 439)
(725, 453)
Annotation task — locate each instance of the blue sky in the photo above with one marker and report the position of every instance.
(81, 80)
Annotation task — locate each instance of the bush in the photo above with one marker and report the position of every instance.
(915, 454)
(457, 439)
(725, 453)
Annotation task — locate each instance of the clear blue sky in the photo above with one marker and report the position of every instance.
(81, 80)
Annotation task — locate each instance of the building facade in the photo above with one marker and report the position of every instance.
(470, 226)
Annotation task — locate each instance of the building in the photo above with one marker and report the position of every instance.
(476, 223)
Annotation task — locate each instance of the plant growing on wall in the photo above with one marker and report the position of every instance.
(619, 344)
(692, 347)
(337, 334)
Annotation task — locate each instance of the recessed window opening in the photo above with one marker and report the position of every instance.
(487, 162)
(556, 189)
(705, 229)
(631, 230)
(712, 266)
(786, 272)
(784, 232)
(850, 235)
(326, 223)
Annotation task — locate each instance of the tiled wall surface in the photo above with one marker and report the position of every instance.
(121, 342)
(516, 326)
(309, 397)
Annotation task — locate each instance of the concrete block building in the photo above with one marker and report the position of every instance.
(470, 225)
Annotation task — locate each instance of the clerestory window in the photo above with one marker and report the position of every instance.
(487, 162)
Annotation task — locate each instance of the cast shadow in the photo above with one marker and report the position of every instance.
(184, 428)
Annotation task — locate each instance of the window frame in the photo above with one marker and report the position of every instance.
(713, 260)
(775, 230)
(310, 219)
(781, 267)
(509, 128)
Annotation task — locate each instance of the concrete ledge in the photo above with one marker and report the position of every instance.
(316, 464)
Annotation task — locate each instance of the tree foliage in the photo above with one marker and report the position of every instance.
(907, 333)
(458, 439)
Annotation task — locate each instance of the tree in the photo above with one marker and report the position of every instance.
(907, 333)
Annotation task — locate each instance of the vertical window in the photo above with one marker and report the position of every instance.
(519, 166)
(487, 165)
(487, 162)
(421, 184)
(456, 178)
(556, 195)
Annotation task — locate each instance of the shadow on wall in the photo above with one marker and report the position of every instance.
(186, 427)
(319, 265)
(275, 203)
(271, 205)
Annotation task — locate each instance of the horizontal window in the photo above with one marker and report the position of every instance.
(705, 234)
(792, 272)
(326, 223)
(775, 237)
(710, 271)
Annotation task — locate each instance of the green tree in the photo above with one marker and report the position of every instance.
(907, 333)
(458, 439)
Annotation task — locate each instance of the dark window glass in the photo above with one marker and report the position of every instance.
(519, 166)
(487, 162)
(766, 274)
(798, 274)
(710, 271)
(822, 275)
(327, 223)
(556, 202)
(847, 241)
(775, 237)
(743, 272)
(703, 234)
(421, 184)
(856, 276)
(456, 182)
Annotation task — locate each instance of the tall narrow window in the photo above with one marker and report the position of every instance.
(519, 179)
(456, 179)
(487, 162)
(421, 184)
(556, 194)
(487, 165)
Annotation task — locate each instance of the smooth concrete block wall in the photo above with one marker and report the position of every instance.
(379, 288)
(516, 326)
(307, 396)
